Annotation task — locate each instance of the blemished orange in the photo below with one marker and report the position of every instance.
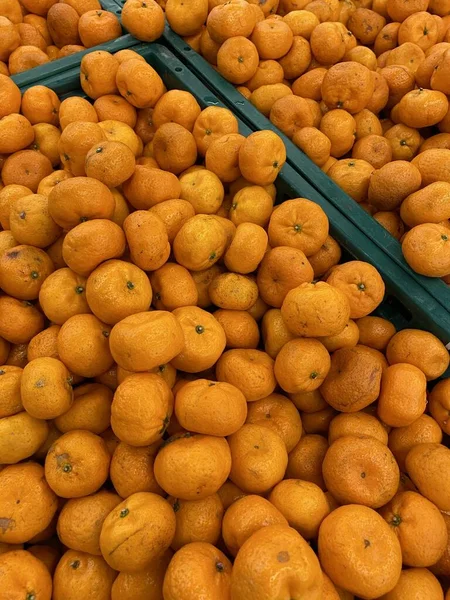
(273, 38)
(186, 21)
(211, 124)
(117, 289)
(137, 531)
(424, 464)
(315, 365)
(98, 74)
(251, 371)
(299, 223)
(419, 526)
(131, 469)
(281, 550)
(244, 517)
(204, 339)
(173, 287)
(274, 332)
(369, 574)
(91, 243)
(139, 83)
(425, 249)
(174, 147)
(401, 439)
(147, 239)
(303, 504)
(197, 520)
(210, 568)
(90, 410)
(279, 414)
(237, 59)
(148, 582)
(241, 329)
(229, 493)
(23, 574)
(83, 534)
(80, 572)
(233, 291)
(403, 395)
(281, 270)
(261, 157)
(347, 85)
(362, 284)
(229, 20)
(375, 332)
(200, 242)
(259, 458)
(347, 367)
(417, 581)
(83, 345)
(146, 340)
(45, 388)
(303, 310)
(357, 424)
(23, 269)
(370, 476)
(190, 478)
(347, 338)
(421, 349)
(211, 408)
(144, 20)
(439, 403)
(127, 419)
(23, 482)
(67, 470)
(44, 344)
(11, 402)
(98, 27)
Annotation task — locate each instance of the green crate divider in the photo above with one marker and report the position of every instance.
(406, 303)
(35, 76)
(111, 5)
(301, 163)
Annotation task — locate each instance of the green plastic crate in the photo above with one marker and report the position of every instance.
(35, 76)
(407, 304)
(300, 162)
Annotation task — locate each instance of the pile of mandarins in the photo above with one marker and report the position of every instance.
(360, 86)
(196, 401)
(35, 32)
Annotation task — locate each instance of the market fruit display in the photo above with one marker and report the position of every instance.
(198, 397)
(360, 87)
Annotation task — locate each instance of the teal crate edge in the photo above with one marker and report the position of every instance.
(110, 5)
(301, 163)
(35, 76)
(425, 312)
